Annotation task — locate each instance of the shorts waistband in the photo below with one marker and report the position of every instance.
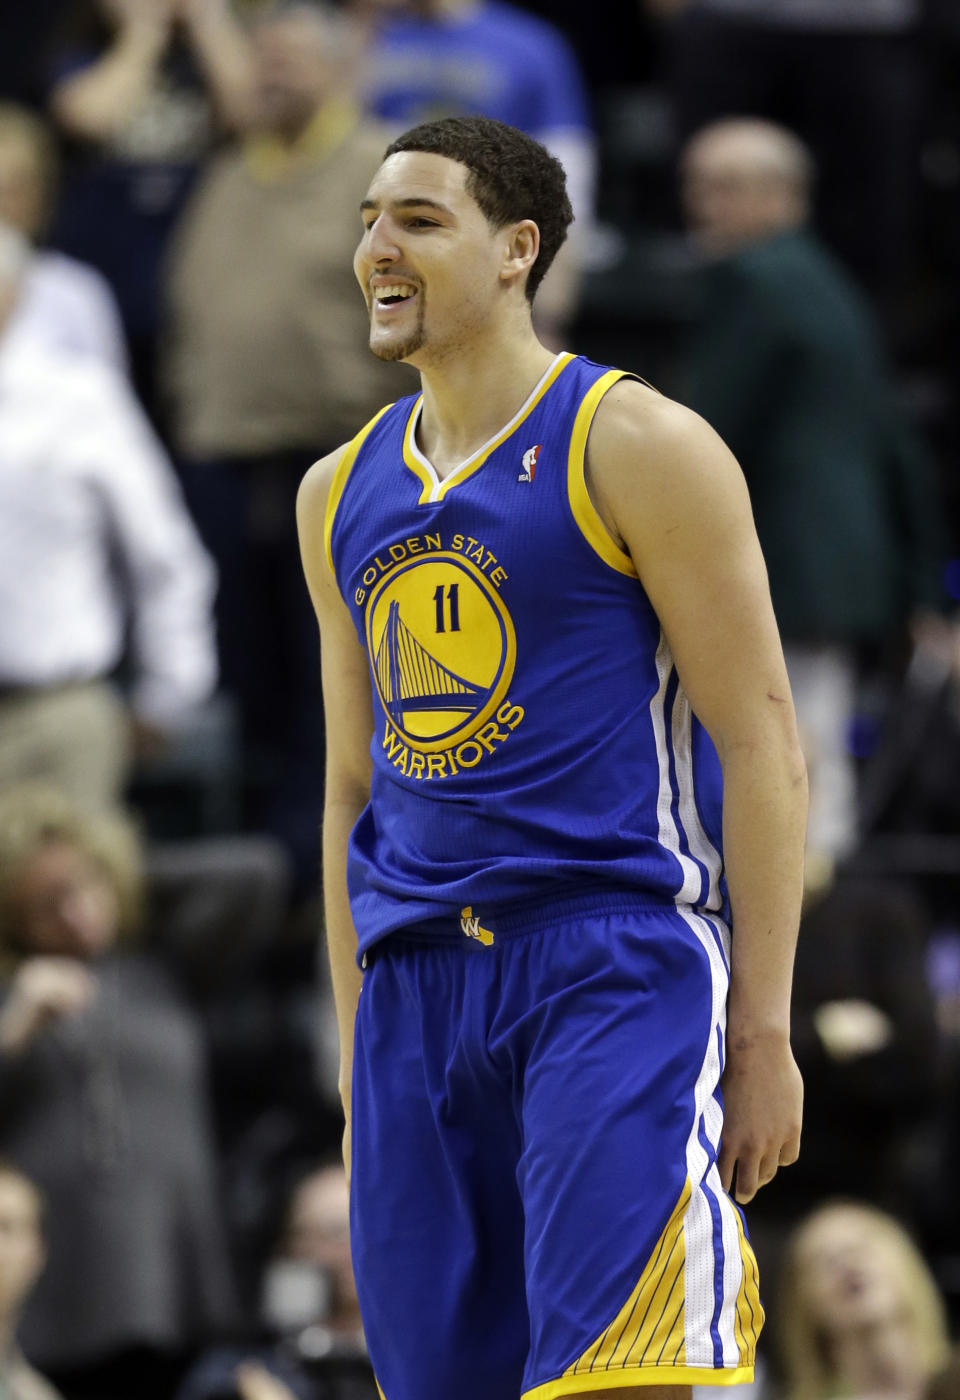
(514, 922)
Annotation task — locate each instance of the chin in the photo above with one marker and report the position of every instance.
(392, 351)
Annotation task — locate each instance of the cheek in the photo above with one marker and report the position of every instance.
(359, 266)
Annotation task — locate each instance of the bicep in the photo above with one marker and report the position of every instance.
(681, 505)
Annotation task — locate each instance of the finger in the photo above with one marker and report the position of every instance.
(768, 1168)
(790, 1151)
(726, 1161)
(747, 1179)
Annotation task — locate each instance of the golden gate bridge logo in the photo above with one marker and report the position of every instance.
(442, 649)
(410, 679)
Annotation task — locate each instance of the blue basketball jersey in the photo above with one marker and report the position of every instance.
(532, 742)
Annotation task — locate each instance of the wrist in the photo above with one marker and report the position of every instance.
(746, 1033)
(146, 35)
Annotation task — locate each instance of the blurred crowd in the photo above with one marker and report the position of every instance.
(767, 199)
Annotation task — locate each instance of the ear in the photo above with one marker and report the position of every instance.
(520, 251)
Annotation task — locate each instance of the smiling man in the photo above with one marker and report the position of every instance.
(554, 692)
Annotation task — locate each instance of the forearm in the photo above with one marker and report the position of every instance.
(764, 818)
(97, 102)
(345, 976)
(223, 51)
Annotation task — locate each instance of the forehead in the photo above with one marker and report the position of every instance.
(837, 1229)
(410, 175)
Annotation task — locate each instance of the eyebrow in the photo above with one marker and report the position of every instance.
(411, 203)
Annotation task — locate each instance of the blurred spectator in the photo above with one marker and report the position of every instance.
(438, 58)
(103, 1101)
(314, 1347)
(62, 303)
(95, 540)
(22, 1257)
(785, 364)
(268, 369)
(864, 1033)
(859, 1312)
(141, 90)
(849, 77)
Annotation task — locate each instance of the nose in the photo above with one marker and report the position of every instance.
(381, 244)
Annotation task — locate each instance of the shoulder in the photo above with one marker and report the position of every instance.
(652, 462)
(62, 379)
(314, 491)
(59, 271)
(532, 31)
(322, 486)
(777, 267)
(640, 432)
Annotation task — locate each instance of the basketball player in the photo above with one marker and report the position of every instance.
(547, 637)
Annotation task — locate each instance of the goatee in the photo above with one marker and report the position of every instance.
(399, 349)
(402, 349)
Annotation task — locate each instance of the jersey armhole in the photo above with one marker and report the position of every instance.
(337, 485)
(585, 513)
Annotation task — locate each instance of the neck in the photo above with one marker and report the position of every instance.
(470, 394)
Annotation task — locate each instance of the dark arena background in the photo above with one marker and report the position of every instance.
(767, 228)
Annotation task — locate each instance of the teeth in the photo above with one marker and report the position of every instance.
(399, 289)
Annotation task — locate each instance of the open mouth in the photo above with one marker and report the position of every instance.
(386, 298)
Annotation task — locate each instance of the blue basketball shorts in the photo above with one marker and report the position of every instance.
(536, 1208)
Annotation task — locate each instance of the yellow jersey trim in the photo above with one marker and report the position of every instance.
(585, 512)
(749, 1315)
(339, 481)
(648, 1330)
(637, 1376)
(434, 490)
(410, 459)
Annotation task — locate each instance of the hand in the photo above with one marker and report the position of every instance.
(763, 1108)
(43, 990)
(255, 1382)
(852, 1027)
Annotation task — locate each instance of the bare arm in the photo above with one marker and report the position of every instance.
(349, 727)
(223, 52)
(669, 489)
(98, 101)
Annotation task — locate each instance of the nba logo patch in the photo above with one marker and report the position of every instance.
(529, 462)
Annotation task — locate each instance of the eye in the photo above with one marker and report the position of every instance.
(420, 222)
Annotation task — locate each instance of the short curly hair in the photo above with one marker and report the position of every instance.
(511, 177)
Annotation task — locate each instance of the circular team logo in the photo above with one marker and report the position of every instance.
(442, 648)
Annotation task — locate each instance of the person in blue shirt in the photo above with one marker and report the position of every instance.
(435, 58)
(562, 765)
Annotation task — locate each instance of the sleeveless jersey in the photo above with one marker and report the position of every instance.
(532, 745)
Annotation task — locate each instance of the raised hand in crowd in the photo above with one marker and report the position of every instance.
(98, 100)
(95, 102)
(43, 990)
